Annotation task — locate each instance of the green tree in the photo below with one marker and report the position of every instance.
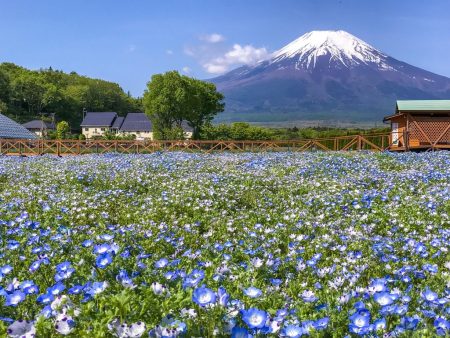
(204, 102)
(172, 98)
(62, 130)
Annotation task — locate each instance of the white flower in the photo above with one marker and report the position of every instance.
(21, 329)
(64, 324)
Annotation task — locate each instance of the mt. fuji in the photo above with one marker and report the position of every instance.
(325, 75)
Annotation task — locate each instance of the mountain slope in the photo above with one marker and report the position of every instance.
(325, 75)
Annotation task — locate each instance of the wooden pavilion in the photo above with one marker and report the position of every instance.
(420, 124)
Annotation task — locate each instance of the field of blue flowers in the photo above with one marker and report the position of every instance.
(240, 245)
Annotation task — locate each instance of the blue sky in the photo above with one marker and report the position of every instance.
(128, 41)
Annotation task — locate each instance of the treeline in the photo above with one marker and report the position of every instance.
(246, 131)
(26, 94)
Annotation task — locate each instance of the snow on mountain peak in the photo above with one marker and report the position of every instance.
(342, 47)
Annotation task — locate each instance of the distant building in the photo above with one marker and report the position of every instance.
(137, 124)
(12, 129)
(187, 130)
(39, 127)
(96, 124)
(420, 124)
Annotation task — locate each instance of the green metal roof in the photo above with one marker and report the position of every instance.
(423, 105)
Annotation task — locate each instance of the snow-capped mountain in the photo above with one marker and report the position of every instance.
(325, 75)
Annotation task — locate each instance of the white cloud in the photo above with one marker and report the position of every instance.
(212, 38)
(169, 52)
(186, 70)
(189, 51)
(238, 55)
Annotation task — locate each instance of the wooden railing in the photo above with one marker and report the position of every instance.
(378, 142)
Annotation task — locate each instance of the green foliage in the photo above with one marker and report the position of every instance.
(246, 131)
(62, 130)
(172, 98)
(25, 94)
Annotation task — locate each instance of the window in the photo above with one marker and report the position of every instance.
(86, 129)
(103, 129)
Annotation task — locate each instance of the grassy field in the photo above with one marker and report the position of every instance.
(241, 245)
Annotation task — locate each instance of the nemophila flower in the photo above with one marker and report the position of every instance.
(409, 323)
(56, 289)
(378, 285)
(429, 295)
(321, 323)
(223, 296)
(252, 292)
(240, 332)
(380, 324)
(193, 279)
(47, 311)
(103, 260)
(35, 265)
(45, 298)
(12, 245)
(158, 288)
(254, 318)
(360, 322)
(383, 298)
(161, 263)
(75, 290)
(203, 296)
(21, 329)
(96, 288)
(169, 327)
(293, 331)
(14, 298)
(87, 243)
(442, 326)
(5, 269)
(308, 296)
(102, 248)
(64, 324)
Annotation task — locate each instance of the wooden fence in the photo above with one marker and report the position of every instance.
(378, 142)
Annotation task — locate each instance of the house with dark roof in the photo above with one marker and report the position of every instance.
(96, 124)
(39, 127)
(12, 129)
(137, 124)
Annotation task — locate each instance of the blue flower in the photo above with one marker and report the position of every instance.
(429, 295)
(223, 296)
(6, 269)
(103, 260)
(252, 292)
(102, 248)
(293, 331)
(56, 289)
(75, 290)
(161, 263)
(360, 322)
(240, 332)
(442, 326)
(14, 298)
(383, 298)
(45, 298)
(254, 318)
(321, 324)
(203, 296)
(194, 278)
(380, 324)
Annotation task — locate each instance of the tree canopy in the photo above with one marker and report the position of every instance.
(171, 99)
(27, 94)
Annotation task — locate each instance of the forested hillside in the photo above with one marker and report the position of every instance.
(25, 94)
